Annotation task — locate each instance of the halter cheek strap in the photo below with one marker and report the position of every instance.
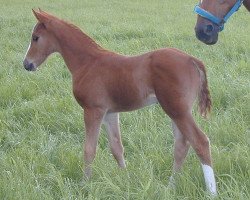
(219, 21)
(205, 14)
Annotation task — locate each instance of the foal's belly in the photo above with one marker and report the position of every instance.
(134, 105)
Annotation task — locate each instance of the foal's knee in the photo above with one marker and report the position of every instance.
(89, 152)
(117, 150)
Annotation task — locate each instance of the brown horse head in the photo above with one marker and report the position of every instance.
(206, 30)
(43, 42)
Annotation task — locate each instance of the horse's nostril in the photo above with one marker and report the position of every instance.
(209, 29)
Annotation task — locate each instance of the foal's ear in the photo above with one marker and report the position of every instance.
(40, 16)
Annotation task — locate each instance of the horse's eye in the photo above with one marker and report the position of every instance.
(35, 38)
(221, 1)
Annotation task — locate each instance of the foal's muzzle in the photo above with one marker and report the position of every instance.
(28, 66)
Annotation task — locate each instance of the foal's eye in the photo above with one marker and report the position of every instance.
(35, 38)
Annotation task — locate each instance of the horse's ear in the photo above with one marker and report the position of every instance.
(40, 16)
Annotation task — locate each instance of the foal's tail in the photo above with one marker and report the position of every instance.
(204, 98)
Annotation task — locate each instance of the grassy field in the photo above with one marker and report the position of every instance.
(41, 125)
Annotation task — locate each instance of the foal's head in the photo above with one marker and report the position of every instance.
(43, 43)
(206, 30)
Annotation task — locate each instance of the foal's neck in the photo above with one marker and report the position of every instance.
(77, 48)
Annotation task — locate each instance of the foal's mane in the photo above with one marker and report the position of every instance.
(62, 28)
(79, 32)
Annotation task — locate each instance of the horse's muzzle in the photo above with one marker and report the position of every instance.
(207, 33)
(28, 66)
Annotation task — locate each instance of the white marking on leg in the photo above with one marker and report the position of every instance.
(209, 179)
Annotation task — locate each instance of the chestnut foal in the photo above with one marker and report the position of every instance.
(106, 83)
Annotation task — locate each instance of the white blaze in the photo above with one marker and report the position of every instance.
(29, 44)
(27, 51)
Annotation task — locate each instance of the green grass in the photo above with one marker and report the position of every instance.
(41, 125)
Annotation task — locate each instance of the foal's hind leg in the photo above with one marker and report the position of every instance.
(200, 143)
(111, 122)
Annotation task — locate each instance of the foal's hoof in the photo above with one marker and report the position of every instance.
(87, 174)
(122, 164)
(82, 183)
(212, 194)
(171, 183)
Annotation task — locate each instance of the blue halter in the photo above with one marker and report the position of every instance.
(219, 21)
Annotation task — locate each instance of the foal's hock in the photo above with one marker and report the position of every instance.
(106, 83)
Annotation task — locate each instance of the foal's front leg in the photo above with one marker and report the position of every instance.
(111, 122)
(93, 119)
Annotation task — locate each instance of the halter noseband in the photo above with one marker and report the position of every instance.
(218, 21)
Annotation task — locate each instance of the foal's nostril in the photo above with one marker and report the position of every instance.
(25, 63)
(209, 29)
